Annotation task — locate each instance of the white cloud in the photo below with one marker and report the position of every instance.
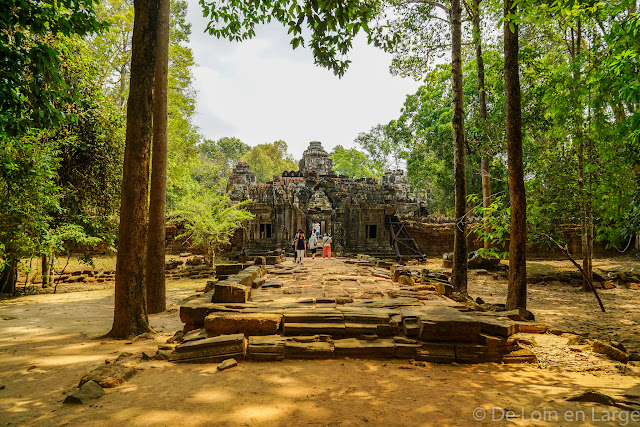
(261, 90)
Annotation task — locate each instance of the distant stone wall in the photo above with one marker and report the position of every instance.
(437, 239)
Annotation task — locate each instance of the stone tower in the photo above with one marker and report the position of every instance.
(316, 159)
(241, 178)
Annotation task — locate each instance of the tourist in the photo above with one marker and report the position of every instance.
(295, 240)
(301, 247)
(313, 243)
(315, 229)
(326, 246)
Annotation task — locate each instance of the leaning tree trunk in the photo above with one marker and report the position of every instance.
(482, 112)
(517, 290)
(130, 313)
(156, 287)
(459, 274)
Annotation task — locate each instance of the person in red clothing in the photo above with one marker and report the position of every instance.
(326, 246)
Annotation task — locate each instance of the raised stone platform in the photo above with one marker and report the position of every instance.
(225, 322)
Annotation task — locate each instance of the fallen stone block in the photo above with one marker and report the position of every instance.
(266, 349)
(227, 270)
(495, 326)
(88, 391)
(352, 347)
(214, 349)
(308, 350)
(610, 351)
(449, 325)
(531, 328)
(225, 323)
(267, 285)
(522, 355)
(197, 334)
(111, 375)
(227, 292)
(444, 289)
(193, 312)
(436, 353)
(227, 364)
(259, 282)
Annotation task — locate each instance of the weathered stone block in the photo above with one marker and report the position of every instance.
(334, 329)
(267, 348)
(609, 350)
(531, 328)
(88, 391)
(448, 325)
(111, 375)
(214, 349)
(193, 312)
(308, 350)
(313, 316)
(469, 353)
(444, 288)
(352, 347)
(436, 353)
(228, 269)
(225, 323)
(522, 355)
(496, 326)
(230, 292)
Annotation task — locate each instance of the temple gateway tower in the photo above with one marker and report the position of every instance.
(356, 213)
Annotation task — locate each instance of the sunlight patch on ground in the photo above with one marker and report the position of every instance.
(69, 359)
(211, 396)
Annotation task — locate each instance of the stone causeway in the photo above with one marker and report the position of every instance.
(249, 314)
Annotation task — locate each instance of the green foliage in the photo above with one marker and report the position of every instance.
(332, 26)
(33, 92)
(267, 160)
(353, 163)
(494, 227)
(210, 220)
(29, 193)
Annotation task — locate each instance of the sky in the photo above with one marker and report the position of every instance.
(261, 90)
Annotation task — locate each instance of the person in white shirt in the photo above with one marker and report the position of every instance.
(313, 243)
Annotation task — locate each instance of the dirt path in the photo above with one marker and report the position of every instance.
(48, 342)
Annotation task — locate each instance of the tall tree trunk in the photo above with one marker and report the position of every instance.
(130, 313)
(459, 274)
(482, 112)
(9, 276)
(517, 290)
(156, 288)
(47, 269)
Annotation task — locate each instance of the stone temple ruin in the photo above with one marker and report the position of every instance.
(361, 215)
(268, 309)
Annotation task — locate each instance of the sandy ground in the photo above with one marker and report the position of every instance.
(48, 342)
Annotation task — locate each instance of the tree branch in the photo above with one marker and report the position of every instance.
(431, 3)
